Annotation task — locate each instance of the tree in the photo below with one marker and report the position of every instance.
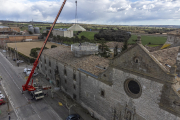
(53, 46)
(83, 37)
(30, 32)
(125, 46)
(54, 38)
(51, 34)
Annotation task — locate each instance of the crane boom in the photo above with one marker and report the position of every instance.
(30, 87)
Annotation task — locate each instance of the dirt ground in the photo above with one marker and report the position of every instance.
(25, 47)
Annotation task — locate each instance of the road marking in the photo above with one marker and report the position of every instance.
(23, 94)
(36, 112)
(53, 110)
(12, 104)
(18, 86)
(7, 59)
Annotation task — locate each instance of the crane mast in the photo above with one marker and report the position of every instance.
(30, 87)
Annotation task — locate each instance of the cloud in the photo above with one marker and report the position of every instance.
(94, 11)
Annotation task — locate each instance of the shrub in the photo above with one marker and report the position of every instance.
(53, 46)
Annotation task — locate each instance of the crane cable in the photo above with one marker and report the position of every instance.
(76, 13)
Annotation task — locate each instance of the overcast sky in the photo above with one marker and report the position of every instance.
(112, 12)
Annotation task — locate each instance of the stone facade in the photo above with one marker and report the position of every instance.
(106, 96)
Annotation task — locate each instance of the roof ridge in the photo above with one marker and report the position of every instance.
(153, 58)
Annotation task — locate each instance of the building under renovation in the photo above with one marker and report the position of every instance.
(135, 85)
(173, 39)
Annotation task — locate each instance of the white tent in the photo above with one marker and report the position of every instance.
(76, 27)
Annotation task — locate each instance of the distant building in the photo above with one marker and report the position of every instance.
(61, 32)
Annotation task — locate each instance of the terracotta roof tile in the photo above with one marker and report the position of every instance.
(87, 63)
(166, 56)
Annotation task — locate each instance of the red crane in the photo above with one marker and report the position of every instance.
(30, 87)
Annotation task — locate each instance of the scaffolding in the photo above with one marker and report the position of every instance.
(83, 49)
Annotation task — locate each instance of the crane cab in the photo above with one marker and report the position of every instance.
(37, 94)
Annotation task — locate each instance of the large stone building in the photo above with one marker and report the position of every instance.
(135, 85)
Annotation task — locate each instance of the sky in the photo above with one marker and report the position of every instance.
(111, 12)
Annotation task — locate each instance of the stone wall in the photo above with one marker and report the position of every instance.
(109, 102)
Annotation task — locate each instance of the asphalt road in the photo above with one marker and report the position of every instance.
(23, 108)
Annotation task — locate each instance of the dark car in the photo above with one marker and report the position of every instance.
(73, 117)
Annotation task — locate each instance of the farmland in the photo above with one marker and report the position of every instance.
(25, 47)
(154, 40)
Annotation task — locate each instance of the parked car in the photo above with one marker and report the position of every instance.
(34, 74)
(4, 50)
(2, 96)
(20, 61)
(73, 117)
(26, 69)
(2, 102)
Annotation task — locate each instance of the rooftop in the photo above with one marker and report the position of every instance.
(113, 44)
(166, 56)
(4, 27)
(92, 64)
(176, 32)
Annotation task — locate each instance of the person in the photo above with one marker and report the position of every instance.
(9, 116)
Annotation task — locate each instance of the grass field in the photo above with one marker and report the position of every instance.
(89, 35)
(25, 47)
(146, 39)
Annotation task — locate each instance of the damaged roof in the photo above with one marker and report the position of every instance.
(166, 56)
(92, 64)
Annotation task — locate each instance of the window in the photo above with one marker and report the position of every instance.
(50, 71)
(136, 60)
(65, 80)
(132, 88)
(74, 86)
(74, 96)
(74, 76)
(65, 73)
(57, 68)
(49, 63)
(102, 93)
(45, 60)
(41, 65)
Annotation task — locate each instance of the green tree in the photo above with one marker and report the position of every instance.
(54, 38)
(53, 46)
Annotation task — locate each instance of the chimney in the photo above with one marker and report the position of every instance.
(138, 39)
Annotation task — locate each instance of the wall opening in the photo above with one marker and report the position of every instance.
(132, 88)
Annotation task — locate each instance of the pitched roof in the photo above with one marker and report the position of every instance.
(76, 27)
(174, 32)
(113, 44)
(166, 56)
(91, 64)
